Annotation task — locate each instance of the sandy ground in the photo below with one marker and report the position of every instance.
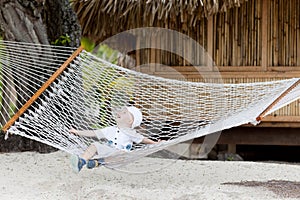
(31, 176)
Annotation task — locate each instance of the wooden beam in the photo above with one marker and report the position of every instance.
(281, 69)
(284, 68)
(270, 118)
(42, 89)
(232, 75)
(276, 124)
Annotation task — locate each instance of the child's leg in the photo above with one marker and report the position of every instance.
(78, 162)
(101, 151)
(89, 152)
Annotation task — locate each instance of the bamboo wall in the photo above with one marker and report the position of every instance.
(258, 41)
(166, 58)
(284, 33)
(237, 38)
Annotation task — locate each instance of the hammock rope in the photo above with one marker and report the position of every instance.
(42, 101)
(41, 90)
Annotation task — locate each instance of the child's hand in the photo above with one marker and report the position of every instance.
(73, 131)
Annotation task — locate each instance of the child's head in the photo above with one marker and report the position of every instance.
(130, 117)
(137, 116)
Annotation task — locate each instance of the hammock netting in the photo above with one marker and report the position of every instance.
(84, 95)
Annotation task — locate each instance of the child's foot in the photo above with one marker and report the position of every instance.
(95, 163)
(92, 164)
(77, 163)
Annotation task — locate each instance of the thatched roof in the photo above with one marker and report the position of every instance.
(102, 18)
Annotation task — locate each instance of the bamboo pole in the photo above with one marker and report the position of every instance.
(259, 41)
(138, 53)
(246, 41)
(286, 34)
(184, 52)
(252, 40)
(216, 39)
(234, 58)
(270, 46)
(152, 52)
(265, 27)
(42, 89)
(298, 34)
(172, 47)
(202, 26)
(282, 15)
(281, 37)
(256, 33)
(291, 37)
(244, 35)
(239, 38)
(294, 41)
(277, 35)
(210, 36)
(221, 40)
(158, 49)
(226, 42)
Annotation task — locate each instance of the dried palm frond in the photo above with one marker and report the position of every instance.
(100, 19)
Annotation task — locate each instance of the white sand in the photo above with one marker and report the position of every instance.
(31, 176)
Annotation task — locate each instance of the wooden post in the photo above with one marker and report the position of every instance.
(231, 148)
(42, 89)
(152, 52)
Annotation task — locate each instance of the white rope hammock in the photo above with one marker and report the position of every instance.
(86, 90)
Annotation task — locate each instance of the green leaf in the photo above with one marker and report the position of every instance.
(87, 44)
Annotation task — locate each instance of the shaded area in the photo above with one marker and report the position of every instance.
(269, 152)
(16, 143)
(282, 188)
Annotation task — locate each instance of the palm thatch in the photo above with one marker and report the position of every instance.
(102, 18)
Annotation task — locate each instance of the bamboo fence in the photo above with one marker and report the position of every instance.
(237, 44)
(237, 36)
(284, 35)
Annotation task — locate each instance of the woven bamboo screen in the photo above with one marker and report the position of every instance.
(237, 36)
(197, 33)
(284, 33)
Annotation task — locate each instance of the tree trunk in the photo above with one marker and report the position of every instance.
(35, 21)
(61, 20)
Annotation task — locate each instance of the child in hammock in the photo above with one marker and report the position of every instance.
(120, 137)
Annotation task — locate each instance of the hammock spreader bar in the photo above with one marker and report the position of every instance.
(42, 89)
(277, 100)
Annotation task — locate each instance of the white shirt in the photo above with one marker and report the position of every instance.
(119, 138)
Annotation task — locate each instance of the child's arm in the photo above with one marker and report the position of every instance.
(87, 133)
(149, 141)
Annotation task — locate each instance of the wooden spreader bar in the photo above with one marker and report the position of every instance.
(277, 100)
(42, 89)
